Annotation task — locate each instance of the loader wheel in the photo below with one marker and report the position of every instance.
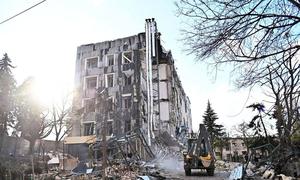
(187, 172)
(210, 171)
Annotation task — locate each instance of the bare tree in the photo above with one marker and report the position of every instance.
(249, 34)
(284, 83)
(259, 38)
(61, 121)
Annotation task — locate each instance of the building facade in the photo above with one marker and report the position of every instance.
(138, 94)
(234, 150)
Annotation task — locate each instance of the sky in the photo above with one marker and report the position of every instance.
(42, 43)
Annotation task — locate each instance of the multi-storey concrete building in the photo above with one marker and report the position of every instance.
(139, 94)
(234, 150)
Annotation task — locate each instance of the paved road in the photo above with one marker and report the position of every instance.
(196, 175)
(202, 175)
(173, 169)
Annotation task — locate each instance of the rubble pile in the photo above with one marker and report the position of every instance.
(136, 170)
(265, 172)
(226, 165)
(124, 162)
(166, 159)
(262, 171)
(121, 172)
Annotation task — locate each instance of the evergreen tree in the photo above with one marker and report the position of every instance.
(214, 130)
(7, 89)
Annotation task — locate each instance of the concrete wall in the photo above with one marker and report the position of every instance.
(20, 147)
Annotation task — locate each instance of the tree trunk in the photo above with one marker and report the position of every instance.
(1, 142)
(56, 145)
(2, 133)
(221, 153)
(32, 167)
(31, 146)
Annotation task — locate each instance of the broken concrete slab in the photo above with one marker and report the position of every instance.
(269, 174)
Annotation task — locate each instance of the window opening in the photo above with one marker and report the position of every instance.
(109, 128)
(109, 80)
(110, 60)
(88, 129)
(127, 57)
(127, 80)
(127, 102)
(92, 63)
(91, 82)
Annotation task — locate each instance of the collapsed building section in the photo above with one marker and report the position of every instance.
(126, 84)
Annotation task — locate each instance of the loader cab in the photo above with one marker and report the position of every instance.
(191, 142)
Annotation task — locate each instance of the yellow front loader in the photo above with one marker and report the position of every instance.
(199, 153)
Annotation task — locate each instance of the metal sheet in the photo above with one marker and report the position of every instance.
(80, 140)
(236, 173)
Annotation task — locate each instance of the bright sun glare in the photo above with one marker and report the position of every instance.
(48, 91)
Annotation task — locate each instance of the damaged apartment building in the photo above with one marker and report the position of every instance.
(141, 86)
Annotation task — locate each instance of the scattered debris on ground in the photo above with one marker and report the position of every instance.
(226, 165)
(272, 166)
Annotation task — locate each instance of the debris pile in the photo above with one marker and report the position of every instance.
(277, 164)
(226, 165)
(167, 157)
(134, 171)
(128, 157)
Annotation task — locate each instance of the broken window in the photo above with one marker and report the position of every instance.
(91, 82)
(110, 60)
(228, 156)
(109, 127)
(110, 104)
(127, 126)
(109, 80)
(101, 83)
(88, 129)
(92, 63)
(127, 57)
(127, 80)
(125, 47)
(127, 102)
(90, 105)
